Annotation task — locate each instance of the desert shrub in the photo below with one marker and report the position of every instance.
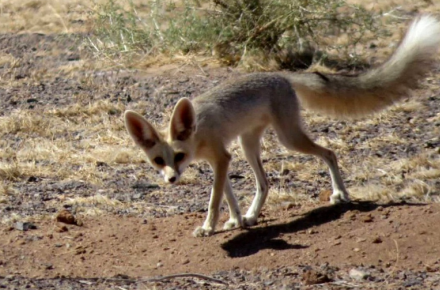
(290, 32)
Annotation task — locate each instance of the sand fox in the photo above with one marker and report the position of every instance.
(245, 107)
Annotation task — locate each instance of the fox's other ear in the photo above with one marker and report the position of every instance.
(140, 130)
(183, 120)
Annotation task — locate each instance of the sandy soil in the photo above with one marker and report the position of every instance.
(392, 245)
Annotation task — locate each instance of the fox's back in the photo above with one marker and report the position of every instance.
(241, 104)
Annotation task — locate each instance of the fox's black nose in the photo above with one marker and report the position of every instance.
(172, 179)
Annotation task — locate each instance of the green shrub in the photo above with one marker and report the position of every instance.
(290, 32)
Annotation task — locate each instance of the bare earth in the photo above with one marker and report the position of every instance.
(146, 231)
(388, 243)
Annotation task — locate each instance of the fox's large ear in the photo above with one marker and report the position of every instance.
(140, 130)
(183, 120)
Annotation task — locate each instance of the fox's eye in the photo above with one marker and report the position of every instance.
(159, 161)
(179, 157)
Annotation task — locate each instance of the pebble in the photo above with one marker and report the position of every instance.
(377, 240)
(65, 216)
(24, 226)
(357, 274)
(311, 277)
(62, 229)
(368, 218)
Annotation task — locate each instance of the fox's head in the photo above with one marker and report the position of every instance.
(169, 152)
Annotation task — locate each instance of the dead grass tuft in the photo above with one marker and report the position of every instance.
(51, 142)
(97, 200)
(10, 171)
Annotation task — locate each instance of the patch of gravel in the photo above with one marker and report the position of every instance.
(300, 277)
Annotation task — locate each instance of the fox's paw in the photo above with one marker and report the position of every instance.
(232, 224)
(250, 220)
(339, 197)
(203, 232)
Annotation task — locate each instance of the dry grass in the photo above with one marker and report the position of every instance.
(54, 141)
(52, 16)
(94, 205)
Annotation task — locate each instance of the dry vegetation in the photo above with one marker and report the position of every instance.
(67, 142)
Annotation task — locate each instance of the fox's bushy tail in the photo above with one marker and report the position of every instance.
(377, 88)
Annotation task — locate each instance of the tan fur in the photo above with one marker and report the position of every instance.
(359, 95)
(246, 106)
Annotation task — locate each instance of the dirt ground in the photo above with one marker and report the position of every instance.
(134, 232)
(391, 246)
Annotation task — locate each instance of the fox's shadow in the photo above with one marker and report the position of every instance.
(256, 239)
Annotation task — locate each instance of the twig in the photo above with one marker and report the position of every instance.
(221, 3)
(93, 44)
(200, 276)
(345, 284)
(397, 256)
(61, 18)
(157, 279)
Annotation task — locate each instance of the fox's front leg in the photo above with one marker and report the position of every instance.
(220, 167)
(235, 218)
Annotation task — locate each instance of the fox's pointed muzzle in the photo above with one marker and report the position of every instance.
(170, 174)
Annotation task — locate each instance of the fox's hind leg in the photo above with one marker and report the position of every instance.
(250, 143)
(293, 137)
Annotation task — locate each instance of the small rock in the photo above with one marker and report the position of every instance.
(32, 179)
(268, 283)
(311, 277)
(377, 240)
(357, 274)
(80, 250)
(33, 238)
(144, 185)
(137, 196)
(360, 240)
(325, 195)
(430, 269)
(73, 57)
(288, 205)
(24, 226)
(101, 164)
(62, 229)
(368, 218)
(48, 266)
(66, 217)
(412, 283)
(351, 215)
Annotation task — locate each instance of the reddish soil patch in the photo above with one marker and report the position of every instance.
(391, 237)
